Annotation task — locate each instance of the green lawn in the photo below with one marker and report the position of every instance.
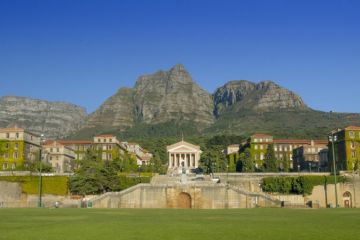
(252, 224)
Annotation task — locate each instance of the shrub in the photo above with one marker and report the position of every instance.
(297, 185)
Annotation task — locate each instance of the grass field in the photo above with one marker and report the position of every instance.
(252, 224)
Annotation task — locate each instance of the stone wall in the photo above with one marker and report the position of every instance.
(200, 196)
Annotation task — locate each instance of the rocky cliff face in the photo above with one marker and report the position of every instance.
(115, 112)
(264, 96)
(172, 95)
(53, 119)
(161, 97)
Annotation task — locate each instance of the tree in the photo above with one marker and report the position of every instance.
(246, 161)
(232, 163)
(286, 164)
(270, 160)
(94, 176)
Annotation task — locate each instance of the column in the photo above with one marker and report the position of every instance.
(169, 160)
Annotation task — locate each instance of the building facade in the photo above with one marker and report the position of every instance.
(183, 157)
(283, 148)
(59, 156)
(347, 148)
(307, 157)
(142, 156)
(18, 148)
(108, 147)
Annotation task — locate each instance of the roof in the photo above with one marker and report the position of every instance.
(105, 135)
(70, 142)
(261, 135)
(300, 141)
(356, 128)
(182, 143)
(52, 143)
(16, 129)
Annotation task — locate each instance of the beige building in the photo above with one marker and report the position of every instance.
(142, 155)
(18, 148)
(183, 157)
(232, 149)
(61, 157)
(307, 157)
(108, 146)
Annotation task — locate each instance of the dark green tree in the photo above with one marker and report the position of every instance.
(94, 176)
(270, 163)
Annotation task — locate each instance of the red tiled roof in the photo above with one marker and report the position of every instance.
(299, 141)
(352, 128)
(105, 135)
(69, 142)
(260, 135)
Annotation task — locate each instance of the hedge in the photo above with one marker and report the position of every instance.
(126, 181)
(297, 185)
(56, 185)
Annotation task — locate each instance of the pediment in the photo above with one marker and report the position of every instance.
(184, 147)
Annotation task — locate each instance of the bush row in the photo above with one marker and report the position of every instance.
(297, 185)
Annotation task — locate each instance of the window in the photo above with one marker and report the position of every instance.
(261, 147)
(255, 140)
(261, 156)
(256, 147)
(110, 140)
(6, 155)
(57, 149)
(352, 144)
(17, 135)
(261, 139)
(7, 146)
(13, 166)
(285, 149)
(16, 145)
(104, 140)
(353, 154)
(50, 158)
(99, 140)
(280, 148)
(7, 135)
(351, 134)
(5, 166)
(275, 148)
(15, 155)
(51, 150)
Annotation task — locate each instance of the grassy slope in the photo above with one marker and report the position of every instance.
(76, 224)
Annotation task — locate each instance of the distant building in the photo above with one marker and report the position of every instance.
(307, 157)
(347, 148)
(80, 147)
(232, 149)
(59, 156)
(108, 146)
(283, 148)
(142, 155)
(18, 148)
(183, 156)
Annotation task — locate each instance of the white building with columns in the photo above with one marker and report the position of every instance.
(183, 156)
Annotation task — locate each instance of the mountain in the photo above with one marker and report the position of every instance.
(53, 119)
(157, 98)
(169, 103)
(237, 96)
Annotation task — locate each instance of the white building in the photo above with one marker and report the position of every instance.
(183, 156)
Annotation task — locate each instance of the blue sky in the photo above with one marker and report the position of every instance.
(84, 51)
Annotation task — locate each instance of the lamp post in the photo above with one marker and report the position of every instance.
(40, 171)
(139, 168)
(227, 174)
(332, 139)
